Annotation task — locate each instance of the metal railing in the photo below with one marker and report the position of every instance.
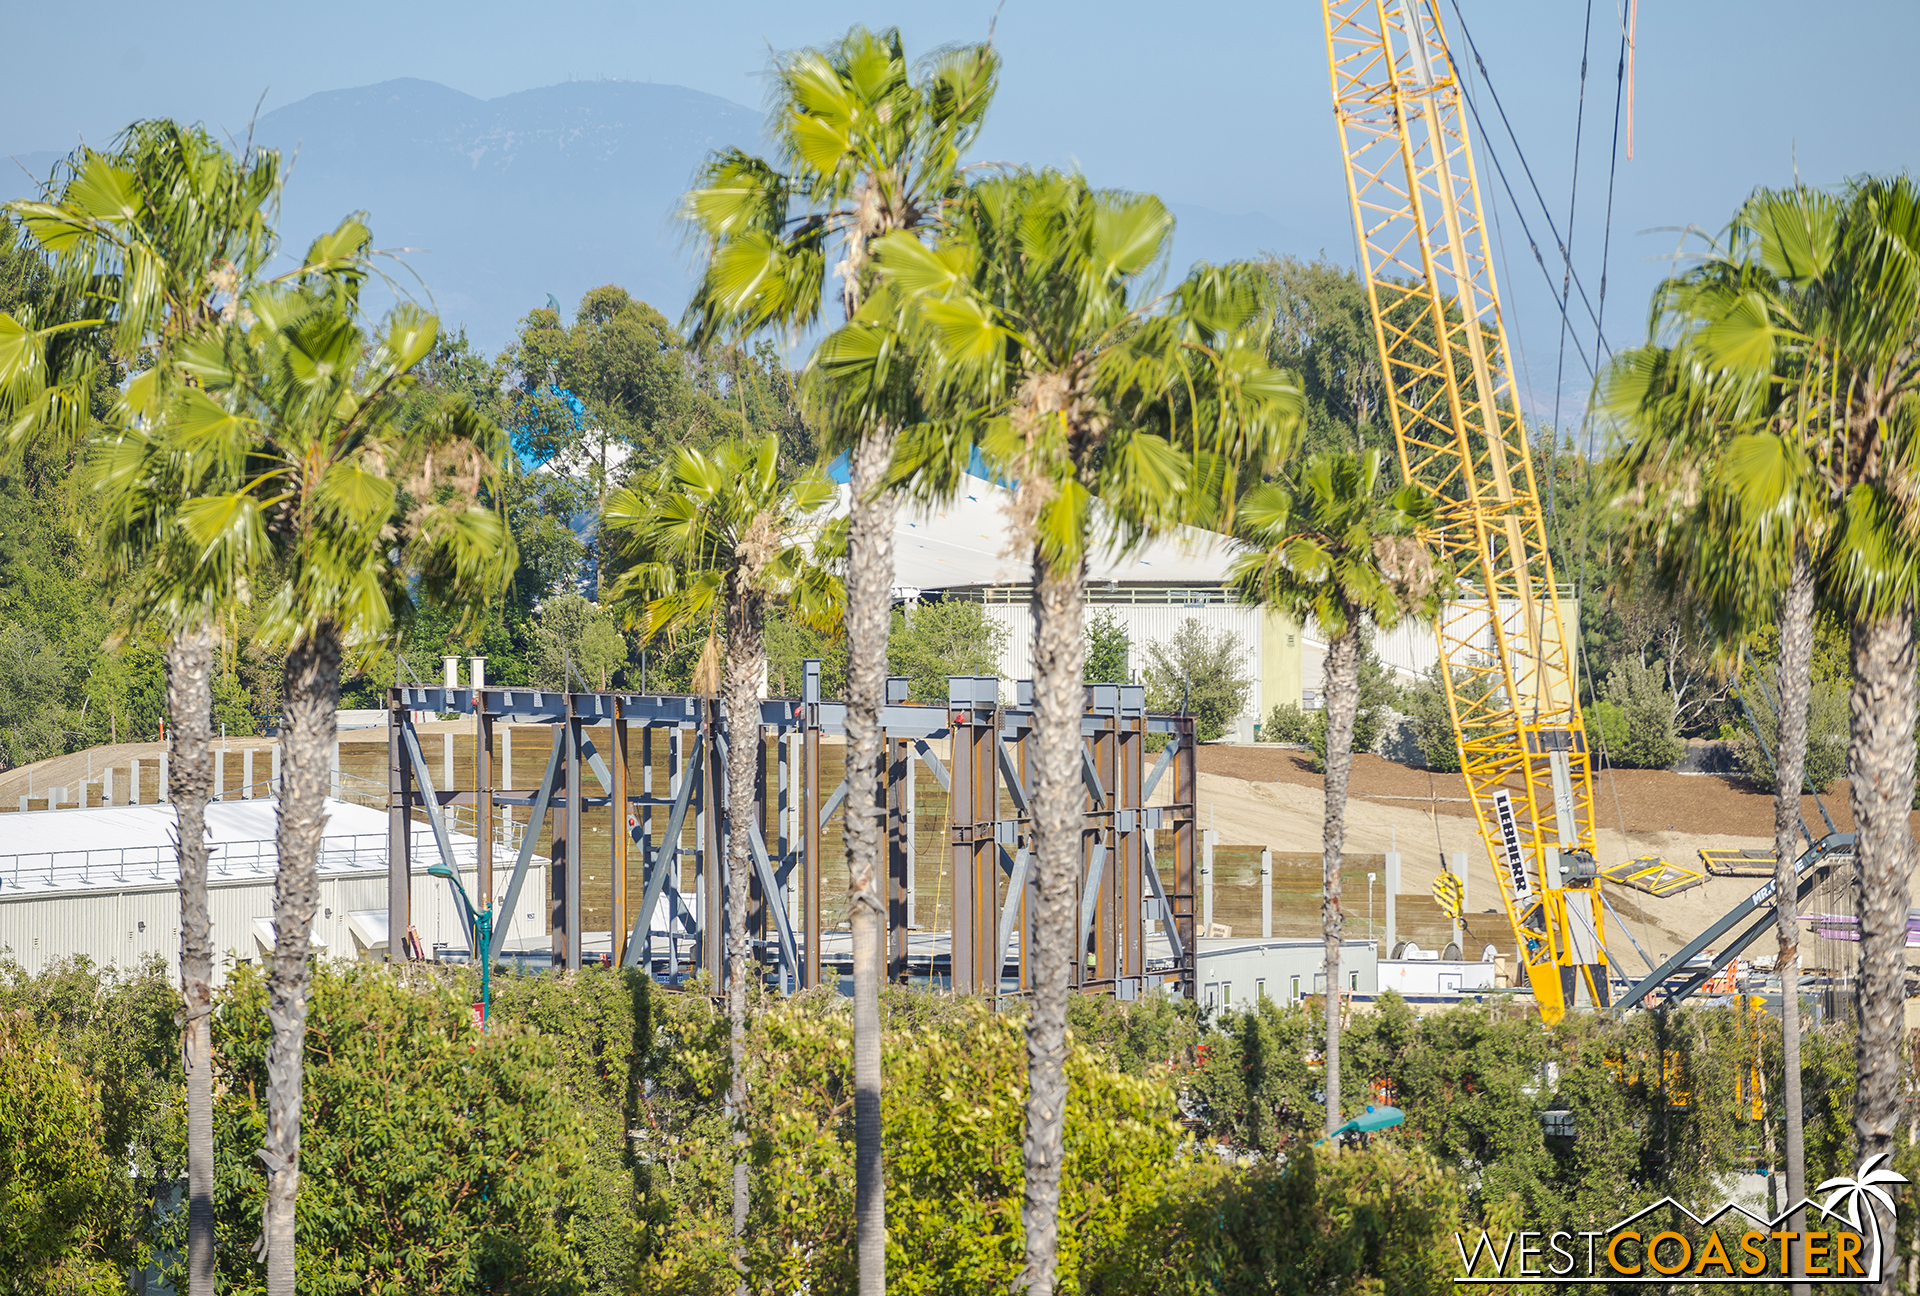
(339, 853)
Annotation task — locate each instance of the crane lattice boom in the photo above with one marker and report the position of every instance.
(1443, 349)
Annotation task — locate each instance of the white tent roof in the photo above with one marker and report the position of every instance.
(963, 543)
(114, 847)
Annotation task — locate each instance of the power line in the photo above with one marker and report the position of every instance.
(1566, 249)
(1533, 183)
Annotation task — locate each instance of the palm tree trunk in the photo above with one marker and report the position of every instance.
(311, 694)
(1796, 657)
(1880, 758)
(189, 777)
(1059, 700)
(869, 616)
(1342, 679)
(746, 654)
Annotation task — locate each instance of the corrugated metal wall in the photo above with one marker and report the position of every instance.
(1145, 623)
(119, 928)
(1409, 649)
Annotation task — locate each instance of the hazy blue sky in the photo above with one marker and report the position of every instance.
(1212, 104)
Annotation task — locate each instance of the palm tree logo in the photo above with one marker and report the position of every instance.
(1871, 1180)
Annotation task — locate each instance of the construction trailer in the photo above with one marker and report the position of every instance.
(1135, 888)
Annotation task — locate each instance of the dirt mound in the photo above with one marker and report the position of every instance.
(1649, 801)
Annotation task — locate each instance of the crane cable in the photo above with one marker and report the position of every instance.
(1566, 248)
(1597, 313)
(1519, 152)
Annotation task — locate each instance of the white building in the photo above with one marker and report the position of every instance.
(1234, 973)
(959, 549)
(104, 883)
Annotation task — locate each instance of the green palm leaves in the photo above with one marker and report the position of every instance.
(1329, 545)
(1040, 337)
(706, 526)
(303, 414)
(867, 143)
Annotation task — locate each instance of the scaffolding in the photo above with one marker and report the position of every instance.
(1122, 896)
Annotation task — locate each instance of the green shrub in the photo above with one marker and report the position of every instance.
(434, 1156)
(931, 641)
(65, 1204)
(1646, 707)
(1287, 723)
(1829, 724)
(1606, 730)
(1108, 649)
(1204, 670)
(1425, 706)
(953, 1111)
(1379, 1219)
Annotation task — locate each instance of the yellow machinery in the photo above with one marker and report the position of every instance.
(1443, 348)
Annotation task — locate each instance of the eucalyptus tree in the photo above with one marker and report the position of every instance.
(1120, 412)
(705, 545)
(151, 241)
(1331, 545)
(1723, 486)
(866, 143)
(361, 503)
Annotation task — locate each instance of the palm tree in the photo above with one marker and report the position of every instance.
(154, 238)
(1722, 481)
(1851, 306)
(1865, 318)
(360, 504)
(1328, 545)
(706, 543)
(1041, 340)
(867, 144)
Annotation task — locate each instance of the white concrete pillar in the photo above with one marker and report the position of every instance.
(503, 777)
(273, 788)
(1393, 889)
(450, 671)
(1266, 894)
(335, 770)
(165, 793)
(477, 672)
(446, 763)
(219, 773)
(23, 803)
(246, 774)
(913, 824)
(133, 782)
(1207, 838)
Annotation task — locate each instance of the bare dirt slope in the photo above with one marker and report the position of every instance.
(1268, 796)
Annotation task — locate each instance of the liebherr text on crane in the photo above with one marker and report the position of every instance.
(1508, 659)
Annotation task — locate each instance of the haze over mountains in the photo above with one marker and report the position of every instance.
(501, 202)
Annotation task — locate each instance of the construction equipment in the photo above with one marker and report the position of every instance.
(1448, 890)
(1443, 349)
(1695, 963)
(1654, 876)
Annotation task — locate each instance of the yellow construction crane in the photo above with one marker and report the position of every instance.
(1443, 348)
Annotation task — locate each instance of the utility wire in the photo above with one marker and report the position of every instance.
(1566, 248)
(1500, 170)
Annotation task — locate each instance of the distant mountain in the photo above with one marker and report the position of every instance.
(500, 202)
(554, 190)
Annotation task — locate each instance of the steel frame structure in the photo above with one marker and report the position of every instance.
(1120, 890)
(1510, 682)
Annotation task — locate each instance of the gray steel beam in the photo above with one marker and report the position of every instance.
(665, 860)
(528, 840)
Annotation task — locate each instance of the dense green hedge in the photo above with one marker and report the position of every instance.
(581, 1144)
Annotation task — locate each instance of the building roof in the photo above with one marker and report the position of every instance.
(962, 544)
(117, 848)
